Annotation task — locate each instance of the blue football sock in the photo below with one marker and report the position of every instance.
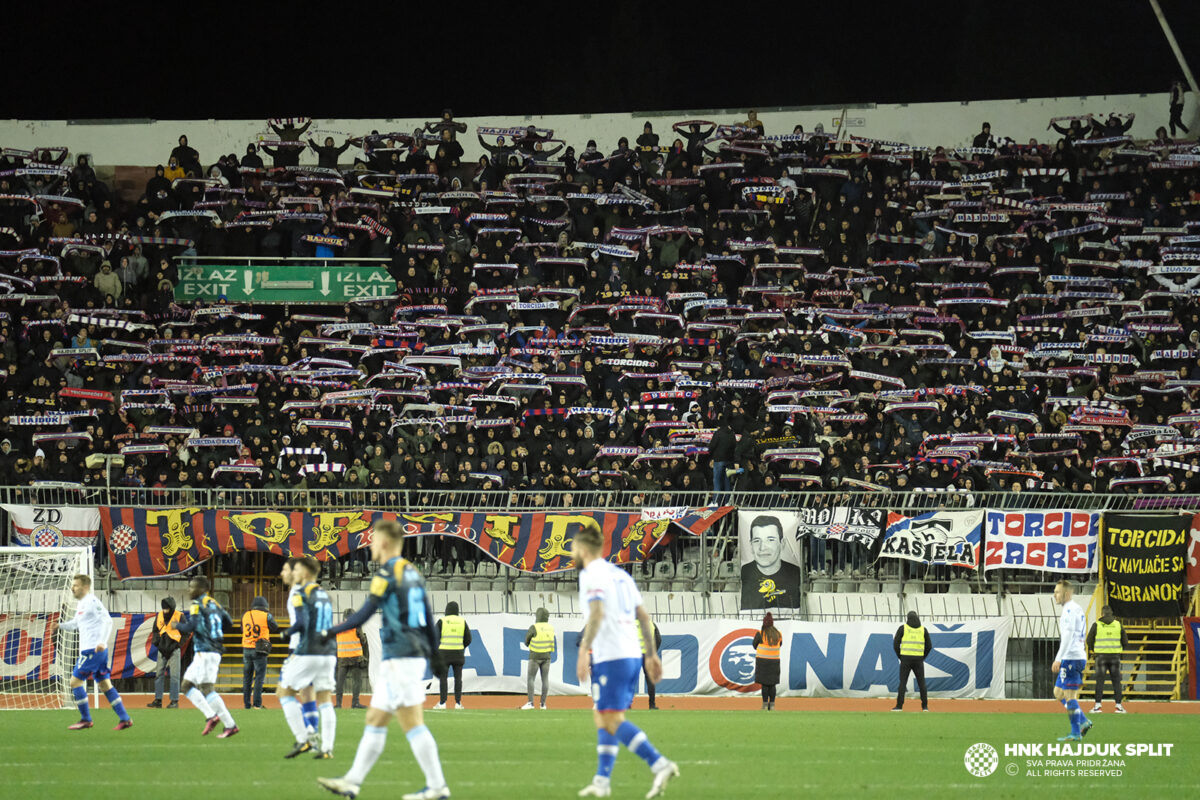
(1076, 716)
(114, 700)
(81, 700)
(606, 753)
(312, 717)
(632, 737)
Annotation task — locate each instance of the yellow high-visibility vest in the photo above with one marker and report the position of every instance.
(913, 642)
(1108, 637)
(543, 638)
(453, 628)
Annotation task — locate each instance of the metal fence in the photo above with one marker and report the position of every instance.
(408, 500)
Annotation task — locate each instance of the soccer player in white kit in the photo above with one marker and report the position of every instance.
(94, 625)
(612, 607)
(1070, 661)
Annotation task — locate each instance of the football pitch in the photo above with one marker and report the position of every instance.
(523, 755)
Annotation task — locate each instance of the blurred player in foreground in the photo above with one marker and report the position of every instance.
(94, 625)
(408, 643)
(613, 612)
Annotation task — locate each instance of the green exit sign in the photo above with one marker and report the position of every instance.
(282, 283)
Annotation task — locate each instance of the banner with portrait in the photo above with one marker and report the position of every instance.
(1044, 541)
(769, 554)
(949, 538)
(1143, 565)
(146, 542)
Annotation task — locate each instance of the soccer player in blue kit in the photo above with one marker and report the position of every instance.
(613, 611)
(1070, 661)
(94, 624)
(315, 659)
(408, 642)
(206, 621)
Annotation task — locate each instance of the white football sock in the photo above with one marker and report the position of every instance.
(369, 749)
(328, 726)
(425, 749)
(295, 718)
(218, 704)
(199, 702)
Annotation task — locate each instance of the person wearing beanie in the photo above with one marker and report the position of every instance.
(912, 645)
(454, 637)
(541, 641)
(166, 639)
(352, 663)
(767, 645)
(1107, 640)
(257, 627)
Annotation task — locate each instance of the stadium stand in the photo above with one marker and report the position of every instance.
(864, 315)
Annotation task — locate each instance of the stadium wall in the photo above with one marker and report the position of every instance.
(148, 142)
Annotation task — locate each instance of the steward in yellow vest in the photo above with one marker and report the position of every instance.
(257, 627)
(912, 645)
(1107, 639)
(454, 637)
(657, 646)
(542, 644)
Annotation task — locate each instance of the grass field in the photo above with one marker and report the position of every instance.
(523, 755)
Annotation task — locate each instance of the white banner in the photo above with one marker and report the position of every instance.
(769, 552)
(1046, 541)
(54, 526)
(939, 537)
(715, 657)
(843, 523)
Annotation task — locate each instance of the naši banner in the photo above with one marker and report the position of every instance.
(940, 537)
(145, 542)
(715, 657)
(1143, 563)
(1047, 541)
(28, 649)
(54, 526)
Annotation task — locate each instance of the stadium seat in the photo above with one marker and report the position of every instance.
(524, 585)
(457, 585)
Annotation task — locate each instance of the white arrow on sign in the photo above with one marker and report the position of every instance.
(248, 278)
(325, 283)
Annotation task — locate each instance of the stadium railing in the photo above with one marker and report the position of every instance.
(536, 500)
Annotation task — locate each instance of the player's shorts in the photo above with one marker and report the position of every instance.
(1070, 675)
(401, 684)
(92, 665)
(614, 683)
(203, 669)
(302, 670)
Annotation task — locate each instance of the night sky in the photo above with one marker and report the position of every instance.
(203, 60)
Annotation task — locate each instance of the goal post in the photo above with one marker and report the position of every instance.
(35, 590)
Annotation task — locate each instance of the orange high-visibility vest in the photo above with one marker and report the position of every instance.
(169, 630)
(254, 627)
(769, 650)
(348, 645)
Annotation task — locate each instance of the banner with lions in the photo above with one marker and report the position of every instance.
(146, 542)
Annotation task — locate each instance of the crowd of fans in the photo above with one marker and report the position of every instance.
(819, 312)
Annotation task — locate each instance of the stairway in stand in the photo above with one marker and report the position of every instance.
(1153, 668)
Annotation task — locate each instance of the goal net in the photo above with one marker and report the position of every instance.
(35, 590)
